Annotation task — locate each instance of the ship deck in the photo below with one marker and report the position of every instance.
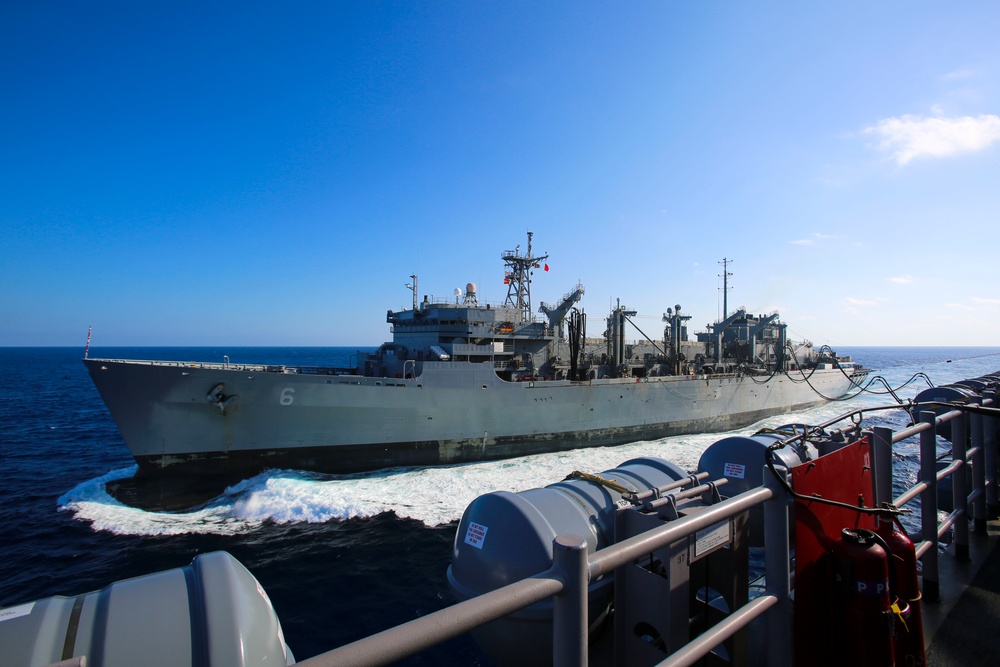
(958, 629)
(229, 366)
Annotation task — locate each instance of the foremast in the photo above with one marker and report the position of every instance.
(517, 277)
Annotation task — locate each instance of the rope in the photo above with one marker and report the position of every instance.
(597, 479)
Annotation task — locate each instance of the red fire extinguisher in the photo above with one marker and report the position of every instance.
(908, 641)
(862, 612)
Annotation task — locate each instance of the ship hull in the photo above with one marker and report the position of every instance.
(211, 419)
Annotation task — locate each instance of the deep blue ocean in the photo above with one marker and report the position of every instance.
(341, 557)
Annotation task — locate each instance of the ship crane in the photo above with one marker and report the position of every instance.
(557, 314)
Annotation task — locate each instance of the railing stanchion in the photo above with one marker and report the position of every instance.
(960, 485)
(881, 442)
(978, 471)
(777, 547)
(990, 457)
(928, 507)
(569, 608)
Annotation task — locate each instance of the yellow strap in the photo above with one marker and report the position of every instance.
(597, 479)
(899, 614)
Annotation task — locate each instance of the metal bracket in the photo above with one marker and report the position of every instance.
(665, 507)
(711, 495)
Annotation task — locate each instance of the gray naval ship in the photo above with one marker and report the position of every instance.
(467, 381)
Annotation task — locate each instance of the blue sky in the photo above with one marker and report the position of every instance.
(245, 173)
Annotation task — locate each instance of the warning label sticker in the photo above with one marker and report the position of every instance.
(475, 535)
(711, 538)
(734, 470)
(15, 612)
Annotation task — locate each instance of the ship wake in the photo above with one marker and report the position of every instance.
(433, 496)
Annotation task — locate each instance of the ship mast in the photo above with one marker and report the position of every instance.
(518, 278)
(725, 286)
(412, 286)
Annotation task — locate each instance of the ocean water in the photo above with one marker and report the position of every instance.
(341, 557)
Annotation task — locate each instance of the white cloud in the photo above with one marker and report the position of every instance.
(909, 137)
(958, 75)
(853, 305)
(902, 280)
(986, 302)
(816, 236)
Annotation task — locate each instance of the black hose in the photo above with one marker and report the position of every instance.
(887, 509)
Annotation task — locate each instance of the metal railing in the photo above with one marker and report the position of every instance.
(567, 581)
(458, 349)
(573, 569)
(978, 457)
(231, 366)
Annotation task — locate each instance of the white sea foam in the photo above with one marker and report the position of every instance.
(433, 496)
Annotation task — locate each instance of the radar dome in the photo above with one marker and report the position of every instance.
(470, 288)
